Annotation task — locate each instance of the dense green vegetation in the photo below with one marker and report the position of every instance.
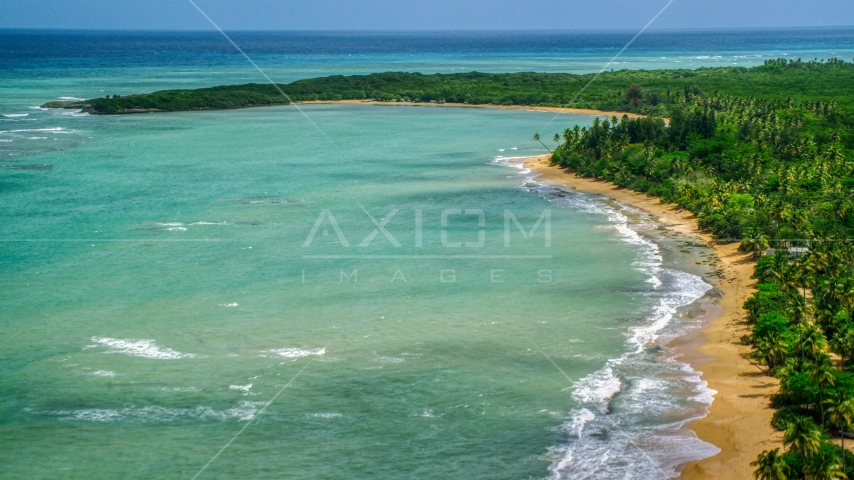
(767, 172)
(608, 92)
(747, 167)
(803, 332)
(216, 98)
(800, 81)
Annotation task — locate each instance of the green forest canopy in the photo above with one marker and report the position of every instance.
(825, 81)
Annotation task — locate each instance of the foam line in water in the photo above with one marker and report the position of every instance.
(325, 415)
(169, 227)
(35, 130)
(597, 388)
(244, 411)
(76, 113)
(139, 348)
(298, 352)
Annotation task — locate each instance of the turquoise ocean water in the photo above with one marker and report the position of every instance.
(355, 300)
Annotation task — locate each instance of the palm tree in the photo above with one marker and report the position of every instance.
(755, 242)
(778, 270)
(770, 466)
(771, 271)
(825, 467)
(778, 348)
(843, 344)
(811, 341)
(770, 350)
(805, 276)
(762, 353)
(846, 295)
(537, 139)
(787, 371)
(840, 409)
(822, 373)
(788, 281)
(803, 437)
(799, 308)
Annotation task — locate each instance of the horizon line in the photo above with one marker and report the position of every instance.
(438, 30)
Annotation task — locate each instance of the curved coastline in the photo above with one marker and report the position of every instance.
(84, 107)
(739, 418)
(614, 402)
(571, 111)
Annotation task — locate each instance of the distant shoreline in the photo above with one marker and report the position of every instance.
(653, 93)
(739, 419)
(82, 105)
(571, 111)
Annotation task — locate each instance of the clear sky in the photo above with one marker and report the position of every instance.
(422, 14)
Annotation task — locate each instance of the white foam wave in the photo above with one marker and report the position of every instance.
(597, 388)
(514, 162)
(93, 414)
(103, 373)
(618, 454)
(596, 447)
(233, 304)
(243, 388)
(70, 99)
(15, 115)
(580, 417)
(384, 359)
(170, 226)
(180, 389)
(706, 395)
(76, 113)
(298, 352)
(140, 348)
(36, 130)
(325, 415)
(243, 411)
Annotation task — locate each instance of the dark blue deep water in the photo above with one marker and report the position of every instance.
(559, 51)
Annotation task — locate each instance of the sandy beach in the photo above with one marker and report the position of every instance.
(573, 111)
(739, 418)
